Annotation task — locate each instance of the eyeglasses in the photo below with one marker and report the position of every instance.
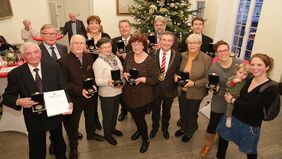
(222, 51)
(49, 34)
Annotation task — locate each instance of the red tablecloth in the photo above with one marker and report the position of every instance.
(5, 69)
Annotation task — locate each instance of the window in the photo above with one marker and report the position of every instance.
(245, 23)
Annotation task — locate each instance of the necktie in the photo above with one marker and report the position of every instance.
(54, 56)
(163, 63)
(38, 80)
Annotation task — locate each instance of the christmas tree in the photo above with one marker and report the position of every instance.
(177, 13)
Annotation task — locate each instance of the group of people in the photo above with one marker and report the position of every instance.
(154, 88)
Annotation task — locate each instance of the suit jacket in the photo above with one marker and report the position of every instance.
(168, 87)
(74, 74)
(204, 47)
(80, 29)
(21, 84)
(114, 47)
(63, 50)
(198, 74)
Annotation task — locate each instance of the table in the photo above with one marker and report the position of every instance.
(11, 120)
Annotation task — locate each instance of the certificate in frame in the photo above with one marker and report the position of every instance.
(122, 7)
(5, 9)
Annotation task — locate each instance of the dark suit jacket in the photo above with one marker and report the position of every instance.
(21, 83)
(80, 29)
(168, 87)
(114, 47)
(74, 74)
(63, 51)
(204, 47)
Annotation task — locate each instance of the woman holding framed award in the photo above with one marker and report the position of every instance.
(107, 70)
(141, 75)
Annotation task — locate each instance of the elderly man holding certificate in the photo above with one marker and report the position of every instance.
(25, 88)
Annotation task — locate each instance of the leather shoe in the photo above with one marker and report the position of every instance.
(117, 132)
(51, 149)
(166, 134)
(111, 140)
(121, 116)
(79, 135)
(73, 154)
(144, 146)
(96, 137)
(136, 135)
(179, 133)
(186, 138)
(153, 133)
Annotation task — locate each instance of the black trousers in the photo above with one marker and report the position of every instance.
(124, 107)
(214, 120)
(222, 148)
(165, 103)
(138, 115)
(188, 114)
(71, 123)
(37, 144)
(109, 107)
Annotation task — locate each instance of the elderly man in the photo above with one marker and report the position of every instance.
(74, 26)
(160, 26)
(125, 32)
(168, 63)
(36, 76)
(77, 66)
(27, 32)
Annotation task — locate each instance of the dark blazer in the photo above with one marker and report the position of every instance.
(114, 47)
(74, 74)
(22, 84)
(168, 87)
(63, 51)
(80, 29)
(204, 47)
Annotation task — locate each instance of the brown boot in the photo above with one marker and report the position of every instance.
(209, 139)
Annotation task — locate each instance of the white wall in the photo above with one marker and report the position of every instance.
(35, 10)
(106, 10)
(269, 33)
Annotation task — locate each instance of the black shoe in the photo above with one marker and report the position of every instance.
(96, 137)
(111, 140)
(51, 149)
(136, 135)
(179, 133)
(166, 134)
(117, 132)
(98, 125)
(153, 133)
(186, 138)
(144, 146)
(178, 122)
(73, 154)
(121, 116)
(79, 135)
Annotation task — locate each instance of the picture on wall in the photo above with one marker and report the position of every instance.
(5, 9)
(122, 7)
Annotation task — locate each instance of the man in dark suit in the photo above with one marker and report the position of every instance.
(77, 66)
(51, 50)
(36, 76)
(125, 32)
(197, 28)
(168, 63)
(74, 26)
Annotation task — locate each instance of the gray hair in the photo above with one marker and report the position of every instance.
(168, 33)
(28, 44)
(160, 18)
(48, 26)
(75, 36)
(194, 37)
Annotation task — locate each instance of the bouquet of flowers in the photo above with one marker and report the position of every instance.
(10, 58)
